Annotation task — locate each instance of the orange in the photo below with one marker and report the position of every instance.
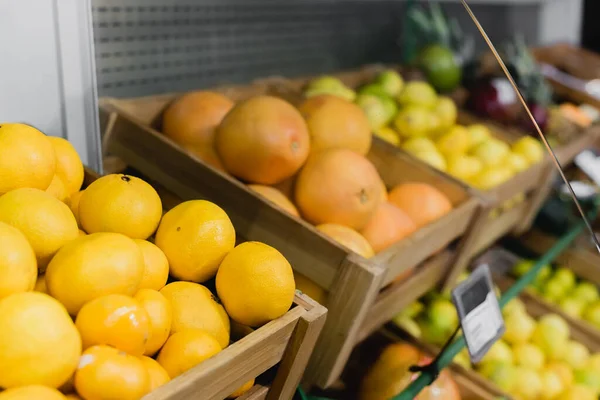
(47, 223)
(18, 267)
(27, 159)
(389, 225)
(422, 202)
(384, 192)
(310, 288)
(255, 282)
(107, 373)
(156, 266)
(57, 189)
(39, 344)
(195, 307)
(93, 266)
(116, 320)
(195, 236)
(338, 186)
(276, 197)
(73, 203)
(242, 389)
(121, 204)
(73, 396)
(158, 375)
(192, 121)
(336, 123)
(160, 317)
(68, 165)
(263, 140)
(349, 238)
(186, 349)
(82, 233)
(40, 284)
(32, 392)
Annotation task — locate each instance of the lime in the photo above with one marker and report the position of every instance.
(418, 93)
(441, 68)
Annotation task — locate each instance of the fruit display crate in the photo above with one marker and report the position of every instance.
(497, 219)
(356, 306)
(500, 261)
(282, 346)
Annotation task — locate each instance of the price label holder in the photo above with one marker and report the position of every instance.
(479, 312)
(589, 162)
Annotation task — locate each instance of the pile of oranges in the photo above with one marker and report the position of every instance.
(101, 295)
(311, 161)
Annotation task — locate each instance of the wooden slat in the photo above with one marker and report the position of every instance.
(258, 392)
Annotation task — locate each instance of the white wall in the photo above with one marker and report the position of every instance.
(47, 76)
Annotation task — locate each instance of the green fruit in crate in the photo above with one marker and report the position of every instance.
(553, 290)
(490, 177)
(586, 292)
(492, 152)
(412, 310)
(517, 162)
(519, 327)
(418, 93)
(576, 354)
(418, 144)
(552, 384)
(499, 352)
(391, 82)
(413, 122)
(373, 89)
(326, 83)
(592, 314)
(433, 158)
(502, 374)
(521, 268)
(515, 306)
(446, 111)
(343, 92)
(478, 133)
(528, 384)
(589, 377)
(408, 325)
(463, 359)
(551, 334)
(431, 333)
(463, 167)
(529, 356)
(566, 277)
(594, 362)
(377, 113)
(440, 67)
(572, 306)
(529, 148)
(454, 142)
(388, 134)
(443, 314)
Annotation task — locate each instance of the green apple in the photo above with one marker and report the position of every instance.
(326, 83)
(522, 267)
(391, 82)
(443, 314)
(373, 89)
(376, 112)
(592, 314)
(586, 291)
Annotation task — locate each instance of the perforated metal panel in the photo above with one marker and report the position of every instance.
(145, 47)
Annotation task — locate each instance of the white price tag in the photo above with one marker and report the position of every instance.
(589, 163)
(479, 312)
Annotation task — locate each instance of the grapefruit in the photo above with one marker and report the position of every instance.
(18, 266)
(336, 123)
(388, 225)
(276, 197)
(69, 168)
(160, 316)
(338, 186)
(263, 140)
(423, 203)
(186, 349)
(349, 238)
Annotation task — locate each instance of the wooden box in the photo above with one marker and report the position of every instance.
(285, 344)
(355, 305)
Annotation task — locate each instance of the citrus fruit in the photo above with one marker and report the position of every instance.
(388, 134)
(389, 225)
(552, 384)
(578, 392)
(107, 373)
(575, 354)
(160, 316)
(418, 93)
(529, 355)
(73, 203)
(463, 167)
(276, 197)
(335, 123)
(454, 142)
(241, 390)
(156, 266)
(195, 307)
(158, 375)
(433, 158)
(18, 266)
(478, 133)
(121, 204)
(423, 203)
(379, 110)
(418, 144)
(528, 384)
(310, 288)
(27, 159)
(564, 371)
(338, 186)
(192, 121)
(57, 189)
(195, 236)
(40, 284)
(92, 266)
(263, 140)
(47, 223)
(73, 396)
(186, 349)
(68, 165)
(413, 121)
(348, 237)
(490, 177)
(32, 392)
(268, 289)
(491, 153)
(517, 162)
(446, 110)
(529, 148)
(115, 320)
(39, 344)
(440, 67)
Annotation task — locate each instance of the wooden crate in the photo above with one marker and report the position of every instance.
(285, 343)
(353, 282)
